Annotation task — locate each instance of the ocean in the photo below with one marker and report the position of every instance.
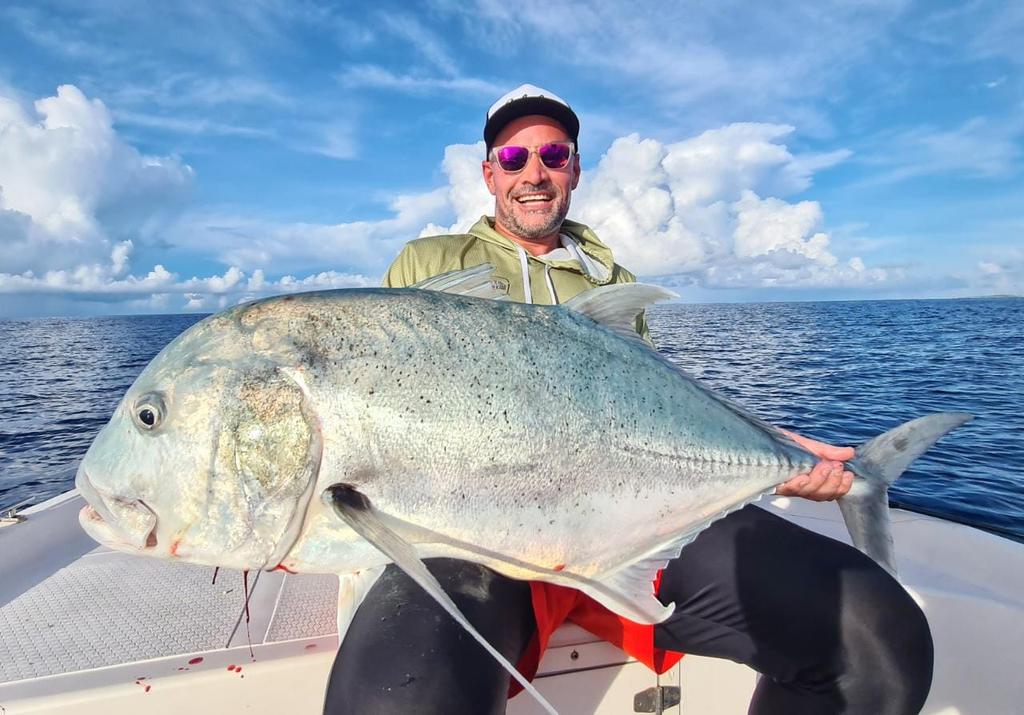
(838, 371)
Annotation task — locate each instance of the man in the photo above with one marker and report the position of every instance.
(829, 629)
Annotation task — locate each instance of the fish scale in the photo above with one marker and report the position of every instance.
(545, 413)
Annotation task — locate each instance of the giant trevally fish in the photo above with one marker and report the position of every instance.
(340, 430)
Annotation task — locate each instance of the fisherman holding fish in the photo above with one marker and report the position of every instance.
(827, 627)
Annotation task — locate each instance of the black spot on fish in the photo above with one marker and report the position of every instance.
(349, 496)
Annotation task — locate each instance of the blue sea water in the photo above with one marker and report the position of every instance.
(839, 371)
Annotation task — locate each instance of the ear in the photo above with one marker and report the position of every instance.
(488, 171)
(575, 171)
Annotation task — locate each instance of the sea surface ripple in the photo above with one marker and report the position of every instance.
(844, 372)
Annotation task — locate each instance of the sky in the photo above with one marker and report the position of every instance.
(176, 157)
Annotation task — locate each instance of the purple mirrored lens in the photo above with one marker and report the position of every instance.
(554, 156)
(512, 158)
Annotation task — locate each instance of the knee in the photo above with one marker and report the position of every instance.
(887, 642)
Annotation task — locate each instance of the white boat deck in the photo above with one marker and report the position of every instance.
(87, 630)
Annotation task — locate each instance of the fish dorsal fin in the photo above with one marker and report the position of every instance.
(357, 511)
(616, 306)
(476, 282)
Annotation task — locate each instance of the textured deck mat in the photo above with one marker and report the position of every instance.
(308, 608)
(108, 608)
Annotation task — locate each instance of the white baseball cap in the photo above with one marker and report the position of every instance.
(525, 100)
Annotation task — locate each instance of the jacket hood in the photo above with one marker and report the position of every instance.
(586, 239)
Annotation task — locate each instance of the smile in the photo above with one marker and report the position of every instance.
(534, 198)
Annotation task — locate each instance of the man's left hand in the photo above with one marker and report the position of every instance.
(828, 480)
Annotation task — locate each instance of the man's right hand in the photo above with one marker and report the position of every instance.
(828, 480)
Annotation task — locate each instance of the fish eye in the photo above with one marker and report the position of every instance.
(148, 411)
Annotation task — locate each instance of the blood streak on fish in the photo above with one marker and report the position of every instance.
(195, 661)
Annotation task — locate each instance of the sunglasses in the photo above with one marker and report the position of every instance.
(512, 159)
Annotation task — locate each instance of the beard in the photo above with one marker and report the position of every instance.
(533, 225)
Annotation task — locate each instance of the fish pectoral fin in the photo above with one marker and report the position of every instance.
(357, 511)
(476, 282)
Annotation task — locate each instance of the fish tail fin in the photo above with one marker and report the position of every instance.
(878, 463)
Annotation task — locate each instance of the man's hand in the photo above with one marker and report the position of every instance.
(828, 480)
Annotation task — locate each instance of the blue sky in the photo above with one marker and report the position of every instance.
(185, 156)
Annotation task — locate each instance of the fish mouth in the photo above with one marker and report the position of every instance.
(118, 522)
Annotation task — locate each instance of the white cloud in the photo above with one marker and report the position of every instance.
(188, 89)
(74, 198)
(334, 139)
(368, 246)
(376, 77)
(186, 125)
(708, 210)
(978, 148)
(692, 59)
(1000, 272)
(59, 172)
(413, 34)
(714, 210)
(101, 281)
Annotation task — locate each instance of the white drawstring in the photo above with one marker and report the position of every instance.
(588, 265)
(551, 286)
(524, 266)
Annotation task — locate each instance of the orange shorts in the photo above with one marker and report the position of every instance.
(553, 605)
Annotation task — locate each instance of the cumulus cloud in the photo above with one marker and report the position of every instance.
(713, 210)
(68, 183)
(710, 210)
(104, 281)
(76, 200)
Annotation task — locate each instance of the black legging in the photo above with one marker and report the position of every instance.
(830, 630)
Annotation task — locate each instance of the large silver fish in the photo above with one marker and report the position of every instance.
(337, 431)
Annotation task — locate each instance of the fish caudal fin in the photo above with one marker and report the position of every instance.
(357, 511)
(879, 463)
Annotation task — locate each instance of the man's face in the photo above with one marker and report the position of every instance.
(532, 203)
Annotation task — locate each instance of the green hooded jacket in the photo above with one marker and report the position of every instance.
(582, 263)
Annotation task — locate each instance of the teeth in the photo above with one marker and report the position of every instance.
(530, 199)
